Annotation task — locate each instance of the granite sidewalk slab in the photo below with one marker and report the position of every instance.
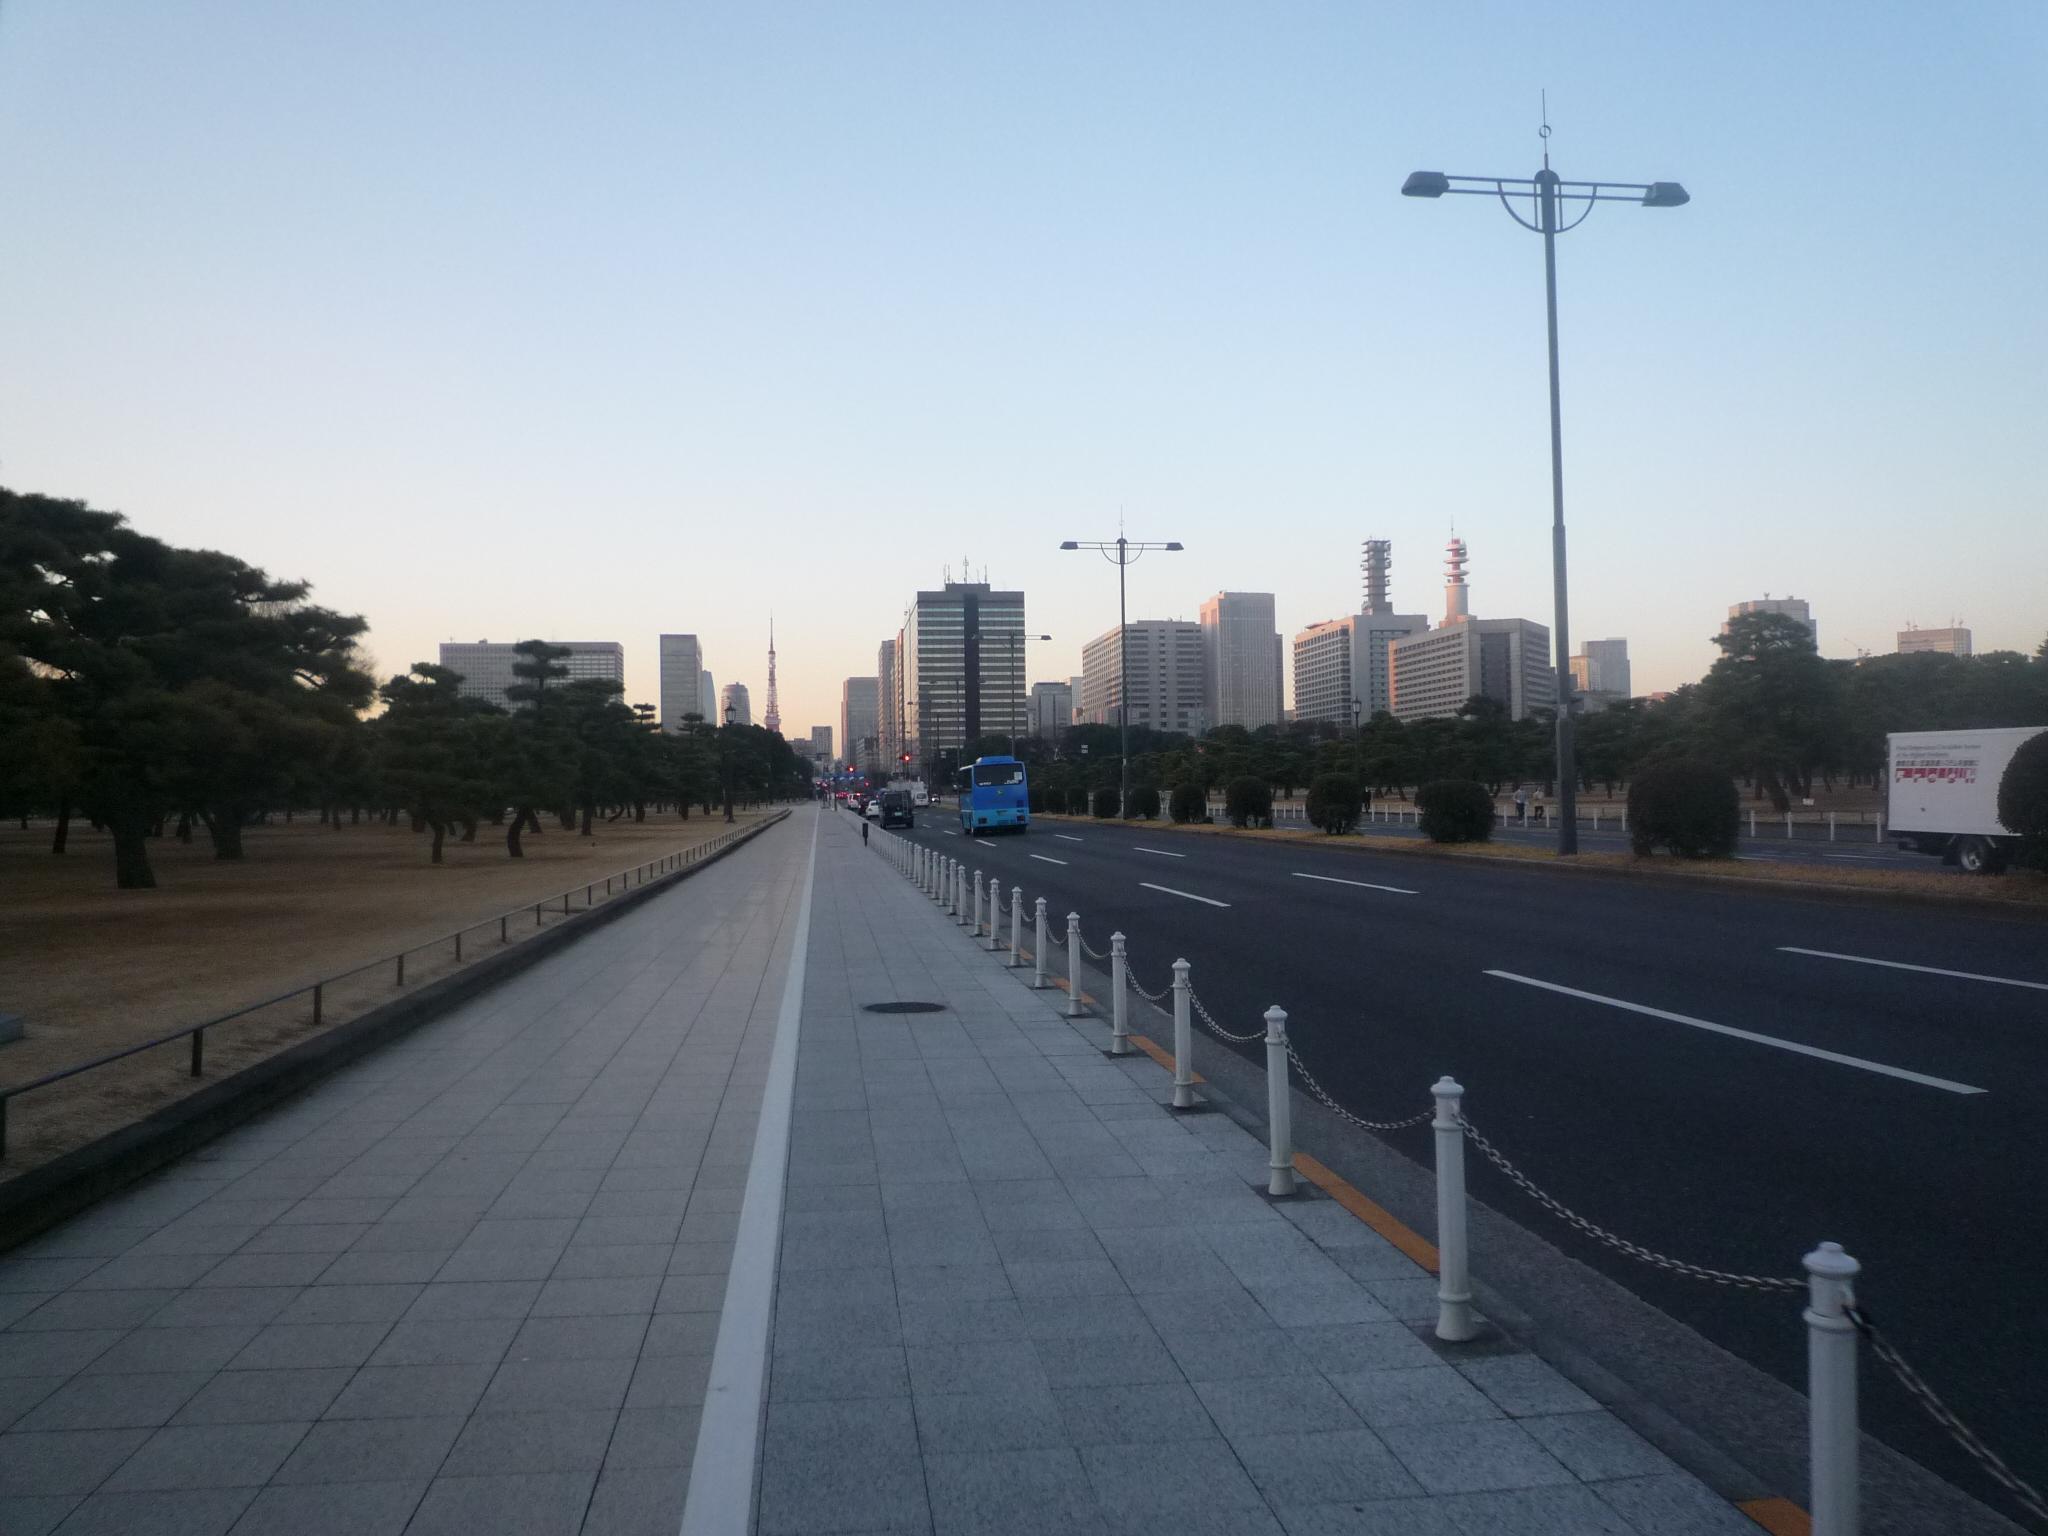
(1018, 1294)
(469, 1284)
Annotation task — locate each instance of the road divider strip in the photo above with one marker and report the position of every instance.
(1925, 970)
(1947, 1085)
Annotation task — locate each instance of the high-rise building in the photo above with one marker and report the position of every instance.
(961, 660)
(1241, 672)
(821, 744)
(1953, 641)
(1342, 670)
(1052, 710)
(858, 741)
(1601, 666)
(486, 666)
(772, 718)
(682, 662)
(1436, 671)
(1790, 607)
(1165, 676)
(886, 731)
(710, 698)
(734, 697)
(1323, 662)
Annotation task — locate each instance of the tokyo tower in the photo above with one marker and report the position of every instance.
(773, 718)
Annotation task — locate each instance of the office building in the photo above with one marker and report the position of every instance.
(709, 696)
(734, 697)
(1052, 710)
(1953, 641)
(821, 745)
(1323, 670)
(682, 665)
(888, 736)
(486, 666)
(1601, 667)
(961, 660)
(1165, 676)
(1342, 670)
(858, 743)
(1790, 607)
(1437, 671)
(1241, 667)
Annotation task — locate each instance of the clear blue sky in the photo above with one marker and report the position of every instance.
(601, 319)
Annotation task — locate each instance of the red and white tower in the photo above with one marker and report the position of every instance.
(1457, 603)
(773, 717)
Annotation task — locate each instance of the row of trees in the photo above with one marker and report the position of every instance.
(1771, 713)
(147, 687)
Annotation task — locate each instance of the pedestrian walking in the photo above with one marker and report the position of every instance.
(863, 833)
(1521, 805)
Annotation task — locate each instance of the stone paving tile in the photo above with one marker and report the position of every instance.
(189, 1512)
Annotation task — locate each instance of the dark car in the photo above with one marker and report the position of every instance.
(897, 808)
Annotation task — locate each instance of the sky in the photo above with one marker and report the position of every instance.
(599, 320)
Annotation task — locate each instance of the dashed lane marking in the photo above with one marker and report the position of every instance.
(1943, 1083)
(1163, 853)
(1366, 885)
(1207, 901)
(1925, 970)
(1044, 860)
(1063, 837)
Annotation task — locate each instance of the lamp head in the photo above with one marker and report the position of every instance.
(1426, 184)
(1175, 544)
(1666, 194)
(1069, 544)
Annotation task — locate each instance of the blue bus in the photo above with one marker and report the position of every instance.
(993, 794)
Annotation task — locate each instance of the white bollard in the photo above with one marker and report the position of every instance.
(1279, 1109)
(1183, 1039)
(1878, 828)
(1119, 989)
(1752, 822)
(1788, 826)
(1453, 1275)
(1016, 926)
(1074, 1009)
(1596, 818)
(1040, 941)
(957, 880)
(995, 913)
(1831, 1391)
(977, 904)
(1831, 826)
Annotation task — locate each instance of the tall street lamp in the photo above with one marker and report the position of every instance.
(1549, 197)
(725, 758)
(1125, 552)
(1016, 693)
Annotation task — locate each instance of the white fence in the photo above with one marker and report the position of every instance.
(1834, 1322)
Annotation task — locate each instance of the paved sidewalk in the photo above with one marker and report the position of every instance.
(469, 1284)
(1017, 1294)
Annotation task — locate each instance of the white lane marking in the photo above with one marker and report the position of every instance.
(1744, 1034)
(1044, 860)
(1135, 848)
(1066, 839)
(984, 842)
(1927, 970)
(949, 832)
(721, 1496)
(1185, 895)
(1398, 890)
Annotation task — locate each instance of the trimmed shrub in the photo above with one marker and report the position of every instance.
(1455, 811)
(1689, 807)
(1145, 802)
(1333, 802)
(1188, 802)
(1055, 797)
(2023, 800)
(1105, 802)
(1249, 802)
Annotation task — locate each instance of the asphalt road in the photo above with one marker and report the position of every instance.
(1897, 1111)
(1859, 852)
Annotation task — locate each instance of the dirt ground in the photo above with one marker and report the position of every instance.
(91, 968)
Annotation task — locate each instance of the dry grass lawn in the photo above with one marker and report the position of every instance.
(91, 968)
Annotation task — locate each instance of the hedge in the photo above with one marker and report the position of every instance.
(1691, 808)
(1455, 811)
(1333, 803)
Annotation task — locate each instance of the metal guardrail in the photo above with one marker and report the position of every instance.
(639, 874)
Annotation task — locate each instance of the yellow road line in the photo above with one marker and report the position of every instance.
(1781, 1517)
(1378, 1217)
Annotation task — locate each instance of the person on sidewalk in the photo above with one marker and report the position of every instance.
(863, 832)
(1521, 805)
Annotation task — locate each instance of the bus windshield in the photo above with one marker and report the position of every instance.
(999, 773)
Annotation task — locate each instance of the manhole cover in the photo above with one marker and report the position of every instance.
(905, 1007)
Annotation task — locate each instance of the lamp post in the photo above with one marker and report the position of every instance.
(1016, 692)
(1357, 709)
(1548, 195)
(1124, 552)
(725, 758)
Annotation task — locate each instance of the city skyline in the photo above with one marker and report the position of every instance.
(411, 400)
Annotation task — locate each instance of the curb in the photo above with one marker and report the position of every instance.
(64, 1186)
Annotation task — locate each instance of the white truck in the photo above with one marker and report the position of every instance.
(1943, 793)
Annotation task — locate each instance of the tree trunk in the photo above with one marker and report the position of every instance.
(532, 820)
(131, 854)
(639, 810)
(512, 835)
(589, 811)
(568, 820)
(469, 829)
(440, 831)
(63, 833)
(224, 826)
